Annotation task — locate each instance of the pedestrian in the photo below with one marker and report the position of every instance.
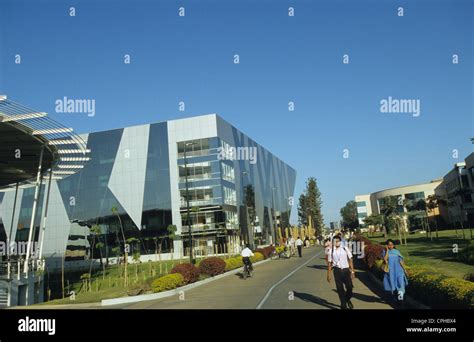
(292, 245)
(395, 278)
(327, 249)
(306, 242)
(299, 245)
(340, 262)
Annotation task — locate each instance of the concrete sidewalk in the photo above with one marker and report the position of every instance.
(296, 283)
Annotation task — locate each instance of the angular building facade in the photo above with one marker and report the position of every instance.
(135, 185)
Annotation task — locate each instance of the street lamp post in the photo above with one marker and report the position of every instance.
(191, 261)
(249, 233)
(275, 226)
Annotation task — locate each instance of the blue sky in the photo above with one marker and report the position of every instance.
(282, 59)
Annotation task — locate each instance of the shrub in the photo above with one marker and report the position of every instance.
(279, 249)
(432, 288)
(189, 272)
(469, 276)
(167, 282)
(212, 266)
(266, 251)
(466, 255)
(373, 252)
(233, 263)
(438, 290)
(257, 257)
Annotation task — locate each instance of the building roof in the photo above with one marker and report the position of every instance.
(24, 132)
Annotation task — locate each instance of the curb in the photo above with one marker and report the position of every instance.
(412, 302)
(170, 293)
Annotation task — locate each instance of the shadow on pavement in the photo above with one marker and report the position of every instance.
(384, 297)
(316, 300)
(319, 267)
(365, 298)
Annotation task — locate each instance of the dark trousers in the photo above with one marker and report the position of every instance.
(342, 277)
(246, 261)
(300, 248)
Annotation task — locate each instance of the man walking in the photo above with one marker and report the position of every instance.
(299, 245)
(340, 262)
(292, 245)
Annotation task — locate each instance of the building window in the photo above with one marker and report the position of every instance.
(228, 173)
(230, 196)
(361, 204)
(196, 196)
(198, 147)
(232, 221)
(195, 171)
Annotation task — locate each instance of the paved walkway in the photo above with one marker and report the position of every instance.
(296, 283)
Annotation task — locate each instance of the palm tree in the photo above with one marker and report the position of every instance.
(454, 200)
(171, 235)
(389, 210)
(451, 202)
(125, 249)
(433, 202)
(375, 220)
(133, 242)
(99, 246)
(95, 231)
(462, 193)
(421, 206)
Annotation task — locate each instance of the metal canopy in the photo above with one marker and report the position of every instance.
(23, 133)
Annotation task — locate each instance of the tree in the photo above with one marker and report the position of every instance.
(309, 206)
(375, 220)
(171, 235)
(95, 232)
(99, 246)
(461, 193)
(125, 247)
(389, 210)
(302, 210)
(432, 203)
(249, 194)
(349, 215)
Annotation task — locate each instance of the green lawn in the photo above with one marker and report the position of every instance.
(436, 254)
(110, 284)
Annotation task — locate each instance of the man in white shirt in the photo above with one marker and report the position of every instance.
(340, 262)
(292, 245)
(299, 245)
(246, 254)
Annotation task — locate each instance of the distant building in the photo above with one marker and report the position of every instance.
(408, 197)
(335, 225)
(456, 192)
(364, 207)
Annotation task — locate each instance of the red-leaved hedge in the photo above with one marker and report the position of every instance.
(189, 272)
(372, 251)
(212, 266)
(266, 251)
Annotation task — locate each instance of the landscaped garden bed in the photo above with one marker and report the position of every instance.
(426, 285)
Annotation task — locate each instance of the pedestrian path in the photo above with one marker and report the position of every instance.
(295, 283)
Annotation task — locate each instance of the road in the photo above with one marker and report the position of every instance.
(295, 283)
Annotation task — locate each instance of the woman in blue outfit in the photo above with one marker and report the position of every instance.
(395, 279)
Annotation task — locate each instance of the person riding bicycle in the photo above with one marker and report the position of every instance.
(246, 254)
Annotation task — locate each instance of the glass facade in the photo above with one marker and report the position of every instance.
(140, 180)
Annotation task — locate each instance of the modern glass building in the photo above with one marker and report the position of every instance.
(135, 182)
